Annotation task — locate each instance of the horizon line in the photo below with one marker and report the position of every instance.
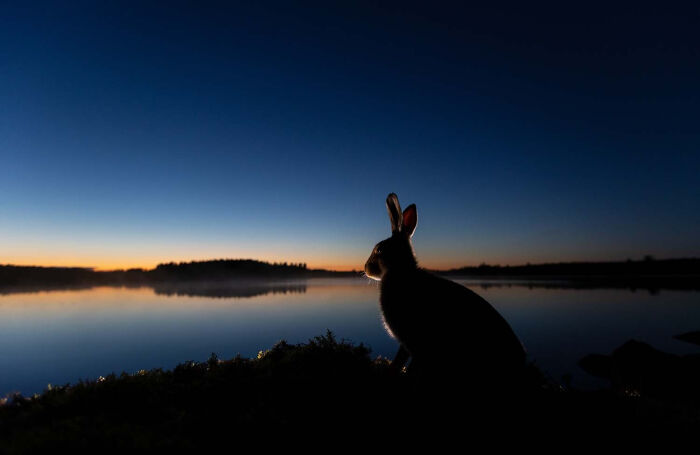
(482, 264)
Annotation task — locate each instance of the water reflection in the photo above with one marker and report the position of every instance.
(36, 288)
(258, 287)
(228, 289)
(58, 336)
(652, 288)
(214, 289)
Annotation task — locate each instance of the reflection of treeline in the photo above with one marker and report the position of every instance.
(651, 284)
(227, 289)
(215, 270)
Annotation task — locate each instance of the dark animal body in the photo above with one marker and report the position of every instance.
(439, 321)
(449, 331)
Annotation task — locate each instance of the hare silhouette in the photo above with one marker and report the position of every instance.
(448, 331)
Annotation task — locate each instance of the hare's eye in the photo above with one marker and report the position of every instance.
(378, 250)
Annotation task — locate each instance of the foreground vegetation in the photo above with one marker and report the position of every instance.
(314, 389)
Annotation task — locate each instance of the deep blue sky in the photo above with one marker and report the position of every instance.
(134, 134)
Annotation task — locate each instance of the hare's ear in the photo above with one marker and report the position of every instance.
(410, 220)
(392, 205)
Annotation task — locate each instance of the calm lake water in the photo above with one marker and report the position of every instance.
(62, 336)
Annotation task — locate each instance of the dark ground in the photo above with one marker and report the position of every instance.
(322, 390)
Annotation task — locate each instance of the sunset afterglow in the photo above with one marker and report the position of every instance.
(326, 219)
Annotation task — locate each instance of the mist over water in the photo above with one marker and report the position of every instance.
(61, 336)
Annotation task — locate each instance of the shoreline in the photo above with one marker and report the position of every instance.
(323, 385)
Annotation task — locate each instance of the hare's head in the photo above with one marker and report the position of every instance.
(396, 252)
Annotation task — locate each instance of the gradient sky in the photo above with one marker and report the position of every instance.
(132, 134)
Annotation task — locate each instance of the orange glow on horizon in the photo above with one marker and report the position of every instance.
(150, 264)
(348, 260)
(344, 266)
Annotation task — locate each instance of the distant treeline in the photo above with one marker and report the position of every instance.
(647, 273)
(646, 267)
(215, 270)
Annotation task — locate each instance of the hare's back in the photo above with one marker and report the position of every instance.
(464, 315)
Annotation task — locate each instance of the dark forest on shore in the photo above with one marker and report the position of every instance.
(646, 273)
(214, 270)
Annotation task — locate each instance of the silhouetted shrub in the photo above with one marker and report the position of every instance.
(311, 390)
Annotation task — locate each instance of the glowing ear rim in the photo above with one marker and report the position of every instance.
(409, 220)
(395, 213)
